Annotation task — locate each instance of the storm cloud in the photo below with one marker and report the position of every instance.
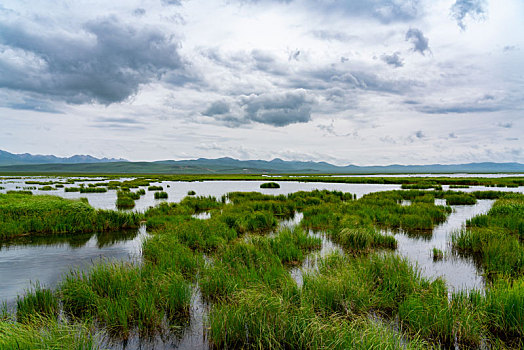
(272, 108)
(278, 109)
(105, 63)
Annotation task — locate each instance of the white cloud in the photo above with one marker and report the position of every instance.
(348, 82)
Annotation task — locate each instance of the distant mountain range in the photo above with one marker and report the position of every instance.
(7, 158)
(87, 164)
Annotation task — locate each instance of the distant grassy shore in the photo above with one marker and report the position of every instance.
(412, 182)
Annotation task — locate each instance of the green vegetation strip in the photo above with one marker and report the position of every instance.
(21, 214)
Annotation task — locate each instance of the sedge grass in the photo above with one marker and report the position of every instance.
(44, 215)
(43, 333)
(161, 195)
(270, 185)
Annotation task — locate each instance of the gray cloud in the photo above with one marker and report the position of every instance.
(117, 120)
(393, 59)
(274, 108)
(507, 125)
(106, 64)
(324, 78)
(33, 105)
(118, 123)
(332, 35)
(459, 109)
(139, 12)
(294, 55)
(462, 8)
(278, 109)
(217, 108)
(171, 2)
(385, 11)
(419, 41)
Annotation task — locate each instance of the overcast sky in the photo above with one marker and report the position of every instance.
(349, 82)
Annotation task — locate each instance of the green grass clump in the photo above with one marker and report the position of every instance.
(242, 221)
(363, 239)
(458, 186)
(93, 189)
(421, 186)
(165, 252)
(125, 199)
(43, 333)
(47, 188)
(203, 235)
(270, 185)
(191, 193)
(504, 305)
(161, 195)
(437, 254)
(378, 209)
(72, 189)
(391, 287)
(22, 192)
(155, 188)
(240, 265)
(496, 237)
(44, 215)
(460, 199)
(290, 245)
(123, 297)
(201, 203)
(260, 318)
(37, 301)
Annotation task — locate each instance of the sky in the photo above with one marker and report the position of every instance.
(365, 82)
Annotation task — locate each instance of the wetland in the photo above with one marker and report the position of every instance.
(224, 263)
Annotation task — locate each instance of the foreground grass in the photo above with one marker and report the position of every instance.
(43, 333)
(368, 297)
(45, 215)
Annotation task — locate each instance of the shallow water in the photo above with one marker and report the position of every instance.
(178, 190)
(23, 262)
(460, 273)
